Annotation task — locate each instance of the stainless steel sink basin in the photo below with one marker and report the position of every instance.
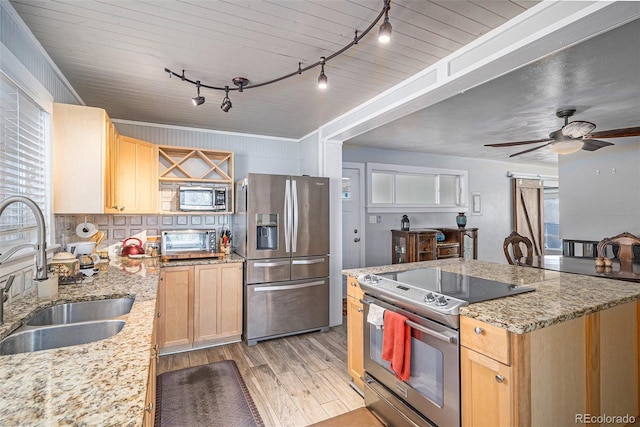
(84, 311)
(45, 338)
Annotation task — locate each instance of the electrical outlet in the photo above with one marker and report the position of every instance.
(373, 219)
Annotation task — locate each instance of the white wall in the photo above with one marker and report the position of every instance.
(600, 191)
(489, 178)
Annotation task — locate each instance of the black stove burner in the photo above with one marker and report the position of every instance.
(466, 288)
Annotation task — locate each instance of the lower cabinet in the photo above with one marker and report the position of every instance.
(565, 374)
(355, 325)
(150, 399)
(200, 305)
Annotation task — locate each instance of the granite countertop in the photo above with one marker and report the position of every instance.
(558, 297)
(100, 383)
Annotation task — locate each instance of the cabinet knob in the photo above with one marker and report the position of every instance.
(359, 309)
(478, 330)
(149, 407)
(500, 378)
(158, 314)
(122, 209)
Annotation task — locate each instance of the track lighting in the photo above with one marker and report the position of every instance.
(198, 100)
(226, 102)
(322, 78)
(384, 36)
(242, 83)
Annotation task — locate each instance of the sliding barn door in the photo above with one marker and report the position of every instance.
(528, 211)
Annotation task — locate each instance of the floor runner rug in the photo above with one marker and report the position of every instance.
(208, 395)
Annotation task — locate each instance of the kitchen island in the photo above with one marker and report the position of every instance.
(549, 357)
(103, 383)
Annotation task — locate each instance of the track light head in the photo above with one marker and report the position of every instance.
(226, 102)
(198, 100)
(322, 78)
(384, 36)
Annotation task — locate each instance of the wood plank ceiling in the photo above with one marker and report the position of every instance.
(114, 54)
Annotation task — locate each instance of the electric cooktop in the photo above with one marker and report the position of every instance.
(459, 286)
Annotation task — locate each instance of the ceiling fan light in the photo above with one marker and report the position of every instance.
(577, 129)
(566, 147)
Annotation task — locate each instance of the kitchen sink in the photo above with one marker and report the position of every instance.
(85, 311)
(45, 338)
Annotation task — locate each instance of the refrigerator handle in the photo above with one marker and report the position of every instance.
(294, 238)
(287, 216)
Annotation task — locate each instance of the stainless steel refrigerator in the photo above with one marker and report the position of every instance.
(281, 228)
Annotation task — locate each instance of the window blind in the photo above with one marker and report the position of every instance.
(22, 161)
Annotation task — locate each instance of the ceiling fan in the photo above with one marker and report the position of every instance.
(572, 137)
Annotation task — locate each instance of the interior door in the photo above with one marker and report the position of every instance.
(528, 211)
(352, 227)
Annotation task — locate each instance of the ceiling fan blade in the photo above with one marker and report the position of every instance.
(511, 144)
(615, 133)
(530, 150)
(594, 144)
(577, 129)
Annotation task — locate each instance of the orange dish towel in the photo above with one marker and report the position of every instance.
(396, 344)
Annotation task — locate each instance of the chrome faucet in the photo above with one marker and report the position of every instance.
(5, 296)
(41, 239)
(40, 246)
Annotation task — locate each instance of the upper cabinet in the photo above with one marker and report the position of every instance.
(96, 170)
(81, 139)
(135, 175)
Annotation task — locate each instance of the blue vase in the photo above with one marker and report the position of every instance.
(461, 220)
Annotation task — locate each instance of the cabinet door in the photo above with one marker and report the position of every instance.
(218, 302)
(79, 138)
(355, 324)
(486, 390)
(175, 306)
(150, 400)
(136, 176)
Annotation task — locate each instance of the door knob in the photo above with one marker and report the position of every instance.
(357, 239)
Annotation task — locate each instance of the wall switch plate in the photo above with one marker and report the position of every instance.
(373, 219)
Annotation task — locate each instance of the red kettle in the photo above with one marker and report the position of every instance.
(131, 249)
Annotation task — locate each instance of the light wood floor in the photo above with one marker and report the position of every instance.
(294, 381)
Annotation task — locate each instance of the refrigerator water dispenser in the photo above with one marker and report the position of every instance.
(267, 231)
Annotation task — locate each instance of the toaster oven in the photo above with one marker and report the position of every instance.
(174, 242)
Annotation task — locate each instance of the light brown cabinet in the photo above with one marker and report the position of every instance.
(134, 181)
(200, 305)
(552, 375)
(355, 325)
(423, 245)
(150, 399)
(96, 170)
(81, 139)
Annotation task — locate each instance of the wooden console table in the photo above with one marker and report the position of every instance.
(422, 245)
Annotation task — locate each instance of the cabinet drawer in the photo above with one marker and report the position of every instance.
(486, 339)
(448, 251)
(353, 289)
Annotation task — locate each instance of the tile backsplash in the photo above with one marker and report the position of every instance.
(120, 227)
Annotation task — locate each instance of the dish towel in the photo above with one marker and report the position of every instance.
(376, 315)
(396, 344)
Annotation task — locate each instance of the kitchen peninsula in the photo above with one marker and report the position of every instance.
(540, 358)
(106, 382)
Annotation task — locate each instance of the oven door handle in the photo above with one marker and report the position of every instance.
(431, 333)
(421, 328)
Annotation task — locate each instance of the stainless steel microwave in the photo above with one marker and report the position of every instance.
(203, 198)
(185, 241)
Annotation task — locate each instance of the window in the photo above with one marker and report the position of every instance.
(393, 188)
(23, 161)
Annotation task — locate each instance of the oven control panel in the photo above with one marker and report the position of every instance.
(425, 299)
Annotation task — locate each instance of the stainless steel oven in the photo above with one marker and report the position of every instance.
(433, 387)
(430, 300)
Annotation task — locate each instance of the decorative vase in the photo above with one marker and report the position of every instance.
(461, 220)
